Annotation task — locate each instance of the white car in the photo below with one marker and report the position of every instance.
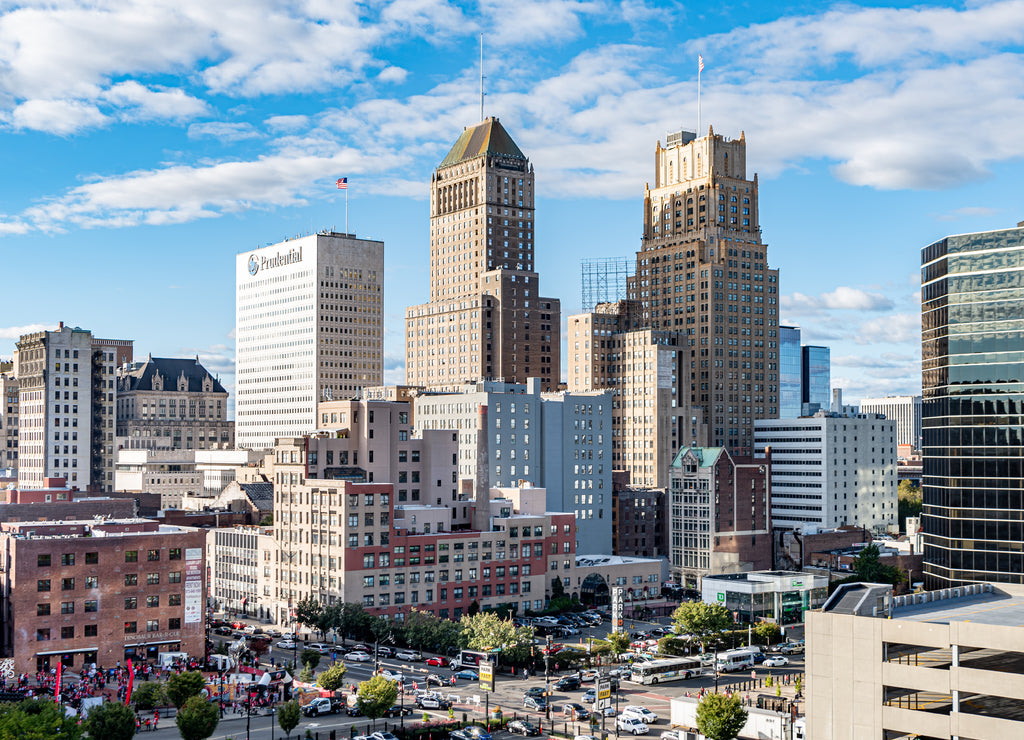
(392, 675)
(408, 655)
(643, 713)
(631, 725)
(286, 644)
(288, 636)
(670, 735)
(776, 661)
(358, 657)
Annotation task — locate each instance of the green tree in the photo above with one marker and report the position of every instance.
(618, 641)
(376, 696)
(288, 717)
(869, 567)
(184, 686)
(354, 622)
(487, 631)
(37, 719)
(308, 612)
(111, 720)
(909, 502)
(267, 520)
(306, 674)
(424, 631)
(557, 588)
(149, 695)
(329, 619)
(474, 608)
(333, 678)
(720, 717)
(766, 633)
(703, 621)
(310, 658)
(197, 718)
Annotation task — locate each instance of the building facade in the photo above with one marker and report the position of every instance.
(100, 591)
(309, 315)
(719, 514)
(561, 441)
(815, 379)
(9, 406)
(904, 410)
(972, 339)
(702, 270)
(782, 597)
(172, 404)
(831, 470)
(486, 318)
(640, 522)
(241, 562)
(790, 373)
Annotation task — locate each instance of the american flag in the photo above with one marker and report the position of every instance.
(700, 64)
(342, 183)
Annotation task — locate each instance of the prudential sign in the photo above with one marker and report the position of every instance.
(265, 262)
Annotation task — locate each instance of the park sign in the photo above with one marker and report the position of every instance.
(486, 668)
(604, 688)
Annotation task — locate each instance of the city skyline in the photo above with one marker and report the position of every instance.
(147, 169)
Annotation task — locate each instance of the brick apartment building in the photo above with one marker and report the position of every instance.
(99, 591)
(640, 522)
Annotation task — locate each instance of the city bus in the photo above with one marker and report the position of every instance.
(667, 669)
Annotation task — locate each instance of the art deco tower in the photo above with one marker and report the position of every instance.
(485, 318)
(703, 271)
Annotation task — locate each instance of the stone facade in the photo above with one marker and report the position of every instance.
(8, 421)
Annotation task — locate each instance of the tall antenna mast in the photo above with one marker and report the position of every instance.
(481, 77)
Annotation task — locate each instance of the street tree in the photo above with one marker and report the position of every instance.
(618, 642)
(333, 678)
(720, 717)
(704, 621)
(376, 696)
(766, 633)
(424, 631)
(184, 686)
(288, 717)
(37, 719)
(310, 658)
(308, 612)
(354, 621)
(197, 718)
(329, 619)
(149, 695)
(111, 720)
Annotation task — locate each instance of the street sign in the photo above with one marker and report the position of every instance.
(604, 689)
(486, 675)
(602, 704)
(617, 609)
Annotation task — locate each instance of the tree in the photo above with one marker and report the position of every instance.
(424, 631)
(37, 719)
(376, 696)
(473, 608)
(258, 646)
(184, 686)
(619, 642)
(354, 621)
(149, 695)
(267, 520)
(333, 678)
(486, 631)
(703, 621)
(111, 720)
(308, 612)
(310, 658)
(720, 717)
(306, 674)
(765, 633)
(329, 619)
(288, 717)
(557, 588)
(909, 502)
(197, 718)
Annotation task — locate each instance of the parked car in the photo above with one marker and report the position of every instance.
(536, 703)
(477, 733)
(439, 661)
(775, 661)
(589, 696)
(354, 711)
(358, 657)
(398, 710)
(289, 636)
(791, 648)
(323, 705)
(467, 674)
(408, 655)
(361, 648)
(432, 701)
(321, 647)
(522, 727)
(642, 712)
(384, 651)
(588, 675)
(287, 644)
(226, 631)
(567, 683)
(632, 725)
(574, 712)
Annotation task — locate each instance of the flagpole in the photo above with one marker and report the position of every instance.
(346, 210)
(699, 65)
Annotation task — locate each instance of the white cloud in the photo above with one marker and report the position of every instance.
(223, 130)
(894, 328)
(16, 332)
(393, 74)
(287, 123)
(142, 103)
(63, 117)
(842, 298)
(965, 212)
(536, 21)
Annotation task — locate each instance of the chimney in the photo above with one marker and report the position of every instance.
(483, 455)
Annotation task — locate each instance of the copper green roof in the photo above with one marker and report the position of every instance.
(705, 456)
(489, 137)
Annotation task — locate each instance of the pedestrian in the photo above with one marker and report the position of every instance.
(526, 673)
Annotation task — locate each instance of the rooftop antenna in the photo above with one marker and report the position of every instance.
(481, 76)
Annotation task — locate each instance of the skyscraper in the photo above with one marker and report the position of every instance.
(486, 318)
(972, 347)
(905, 410)
(309, 327)
(703, 271)
(790, 372)
(815, 379)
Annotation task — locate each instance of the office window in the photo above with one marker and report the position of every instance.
(152, 578)
(91, 630)
(92, 558)
(131, 602)
(174, 623)
(174, 577)
(131, 556)
(67, 633)
(131, 579)
(67, 607)
(92, 606)
(152, 625)
(42, 635)
(153, 555)
(43, 584)
(174, 600)
(67, 558)
(174, 553)
(130, 628)
(152, 601)
(67, 584)
(43, 561)
(42, 610)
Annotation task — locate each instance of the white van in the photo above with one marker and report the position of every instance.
(731, 662)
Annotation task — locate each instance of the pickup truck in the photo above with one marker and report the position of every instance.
(323, 705)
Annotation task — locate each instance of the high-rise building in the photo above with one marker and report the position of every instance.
(904, 410)
(67, 407)
(486, 318)
(703, 271)
(8, 419)
(831, 470)
(971, 348)
(815, 379)
(790, 372)
(309, 327)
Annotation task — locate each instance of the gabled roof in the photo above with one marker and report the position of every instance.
(706, 456)
(140, 375)
(261, 495)
(489, 137)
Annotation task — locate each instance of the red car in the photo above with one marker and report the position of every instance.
(438, 661)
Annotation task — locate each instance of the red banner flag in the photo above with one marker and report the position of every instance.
(56, 688)
(131, 683)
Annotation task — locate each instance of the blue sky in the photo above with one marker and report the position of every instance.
(144, 144)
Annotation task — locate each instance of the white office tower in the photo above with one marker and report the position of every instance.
(904, 410)
(309, 327)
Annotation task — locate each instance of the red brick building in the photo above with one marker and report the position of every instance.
(99, 591)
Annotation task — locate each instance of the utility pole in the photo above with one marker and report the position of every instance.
(547, 677)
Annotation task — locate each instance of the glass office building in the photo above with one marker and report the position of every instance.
(973, 382)
(790, 394)
(816, 378)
